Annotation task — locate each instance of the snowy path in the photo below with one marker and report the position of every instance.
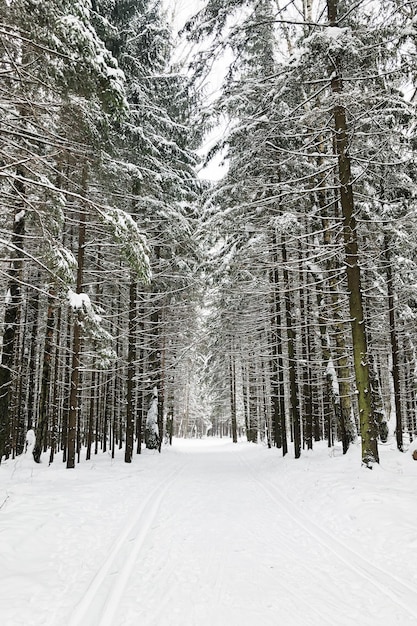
(211, 535)
(223, 547)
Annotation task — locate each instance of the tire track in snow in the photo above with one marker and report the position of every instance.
(113, 576)
(398, 590)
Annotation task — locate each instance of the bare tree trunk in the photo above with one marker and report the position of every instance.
(409, 367)
(305, 333)
(368, 426)
(394, 348)
(170, 410)
(340, 407)
(16, 403)
(98, 410)
(131, 357)
(91, 411)
(139, 370)
(232, 386)
(265, 405)
(245, 394)
(277, 366)
(11, 316)
(292, 365)
(66, 385)
(76, 339)
(33, 318)
(252, 404)
(308, 390)
(152, 434)
(55, 407)
(161, 403)
(42, 427)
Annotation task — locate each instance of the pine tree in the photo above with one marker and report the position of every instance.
(287, 157)
(155, 162)
(76, 73)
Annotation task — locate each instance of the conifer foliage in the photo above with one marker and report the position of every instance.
(319, 162)
(97, 176)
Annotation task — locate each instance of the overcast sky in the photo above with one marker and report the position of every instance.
(181, 10)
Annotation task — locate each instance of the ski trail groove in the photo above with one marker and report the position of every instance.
(399, 591)
(95, 610)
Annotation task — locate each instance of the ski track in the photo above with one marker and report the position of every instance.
(214, 571)
(214, 541)
(159, 558)
(100, 604)
(216, 579)
(398, 590)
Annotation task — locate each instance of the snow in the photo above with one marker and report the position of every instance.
(210, 533)
(331, 371)
(78, 301)
(152, 416)
(133, 244)
(335, 32)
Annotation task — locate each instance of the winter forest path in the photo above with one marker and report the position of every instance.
(220, 546)
(208, 534)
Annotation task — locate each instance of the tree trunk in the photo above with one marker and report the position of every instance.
(90, 430)
(265, 374)
(292, 365)
(33, 317)
(232, 386)
(277, 365)
(131, 357)
(55, 409)
(67, 384)
(76, 340)
(305, 314)
(343, 404)
(368, 427)
(11, 316)
(161, 402)
(152, 435)
(245, 394)
(394, 348)
(139, 373)
(42, 427)
(252, 403)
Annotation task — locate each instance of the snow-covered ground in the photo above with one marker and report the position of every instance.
(210, 534)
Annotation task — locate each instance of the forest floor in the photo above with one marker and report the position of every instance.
(210, 534)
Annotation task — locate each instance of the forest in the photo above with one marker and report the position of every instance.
(143, 301)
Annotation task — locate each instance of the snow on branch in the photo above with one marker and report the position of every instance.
(91, 323)
(286, 223)
(132, 243)
(60, 261)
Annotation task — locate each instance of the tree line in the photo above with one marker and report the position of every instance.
(98, 210)
(313, 227)
(141, 303)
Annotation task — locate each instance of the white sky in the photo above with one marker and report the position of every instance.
(179, 11)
